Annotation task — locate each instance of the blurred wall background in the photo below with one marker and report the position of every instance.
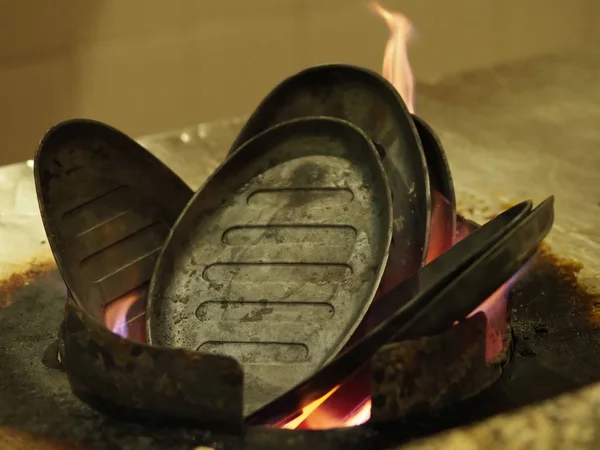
(145, 66)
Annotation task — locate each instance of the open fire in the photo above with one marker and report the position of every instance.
(350, 403)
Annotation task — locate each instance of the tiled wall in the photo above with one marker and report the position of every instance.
(149, 65)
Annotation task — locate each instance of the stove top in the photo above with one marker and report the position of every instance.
(37, 407)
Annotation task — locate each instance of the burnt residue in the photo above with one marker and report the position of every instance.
(37, 404)
(427, 374)
(15, 439)
(147, 383)
(554, 315)
(568, 270)
(18, 280)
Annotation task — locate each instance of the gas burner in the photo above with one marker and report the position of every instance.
(321, 279)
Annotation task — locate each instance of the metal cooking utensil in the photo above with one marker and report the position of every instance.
(370, 102)
(443, 199)
(107, 205)
(276, 259)
(477, 266)
(440, 175)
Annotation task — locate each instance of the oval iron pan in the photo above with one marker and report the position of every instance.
(494, 258)
(277, 258)
(107, 205)
(443, 199)
(370, 102)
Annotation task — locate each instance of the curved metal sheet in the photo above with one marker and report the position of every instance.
(277, 258)
(107, 205)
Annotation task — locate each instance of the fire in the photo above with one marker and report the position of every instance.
(125, 316)
(308, 410)
(396, 67)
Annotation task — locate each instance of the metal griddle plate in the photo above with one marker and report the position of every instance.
(369, 101)
(107, 205)
(277, 258)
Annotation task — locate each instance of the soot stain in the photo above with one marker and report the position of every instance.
(257, 315)
(555, 317)
(17, 281)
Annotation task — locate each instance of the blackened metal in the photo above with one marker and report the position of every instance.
(277, 258)
(440, 175)
(140, 382)
(443, 199)
(432, 372)
(107, 205)
(447, 267)
(497, 258)
(500, 262)
(370, 102)
(418, 376)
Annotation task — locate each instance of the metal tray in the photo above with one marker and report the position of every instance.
(278, 256)
(107, 206)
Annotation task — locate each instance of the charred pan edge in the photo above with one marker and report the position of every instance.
(426, 374)
(437, 162)
(144, 383)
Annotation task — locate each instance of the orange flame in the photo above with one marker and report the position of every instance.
(308, 410)
(125, 316)
(396, 67)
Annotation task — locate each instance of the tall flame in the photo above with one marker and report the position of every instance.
(396, 67)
